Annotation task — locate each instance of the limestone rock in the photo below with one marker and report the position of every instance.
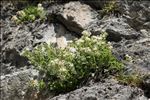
(76, 16)
(109, 90)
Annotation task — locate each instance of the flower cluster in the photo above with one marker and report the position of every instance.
(30, 13)
(67, 68)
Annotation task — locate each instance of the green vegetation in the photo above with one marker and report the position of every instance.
(30, 13)
(134, 79)
(110, 7)
(65, 69)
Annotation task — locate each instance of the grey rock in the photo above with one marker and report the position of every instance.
(137, 13)
(146, 86)
(145, 33)
(139, 52)
(14, 86)
(47, 34)
(117, 28)
(98, 4)
(16, 72)
(17, 38)
(76, 16)
(109, 90)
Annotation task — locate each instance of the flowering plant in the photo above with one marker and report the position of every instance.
(30, 14)
(66, 68)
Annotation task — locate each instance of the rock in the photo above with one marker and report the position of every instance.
(139, 52)
(63, 36)
(17, 38)
(47, 33)
(146, 86)
(6, 10)
(137, 13)
(97, 4)
(117, 28)
(129, 34)
(16, 71)
(51, 33)
(109, 90)
(145, 33)
(76, 16)
(61, 42)
(14, 86)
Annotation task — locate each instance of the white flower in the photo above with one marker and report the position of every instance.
(79, 41)
(88, 49)
(34, 82)
(54, 61)
(93, 74)
(14, 18)
(95, 48)
(110, 45)
(63, 69)
(43, 49)
(39, 5)
(94, 37)
(97, 37)
(104, 35)
(128, 58)
(70, 64)
(86, 33)
(87, 38)
(21, 13)
(71, 49)
(100, 38)
(32, 17)
(40, 8)
(101, 43)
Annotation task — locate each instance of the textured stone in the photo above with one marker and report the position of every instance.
(76, 16)
(14, 86)
(109, 90)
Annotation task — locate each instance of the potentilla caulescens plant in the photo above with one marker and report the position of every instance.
(30, 13)
(66, 68)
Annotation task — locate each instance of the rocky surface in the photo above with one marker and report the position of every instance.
(14, 86)
(117, 28)
(138, 50)
(76, 16)
(137, 13)
(128, 33)
(108, 90)
(16, 73)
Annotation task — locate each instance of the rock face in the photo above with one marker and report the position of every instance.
(128, 33)
(146, 86)
(138, 50)
(76, 16)
(137, 13)
(98, 4)
(117, 28)
(14, 86)
(108, 90)
(16, 72)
